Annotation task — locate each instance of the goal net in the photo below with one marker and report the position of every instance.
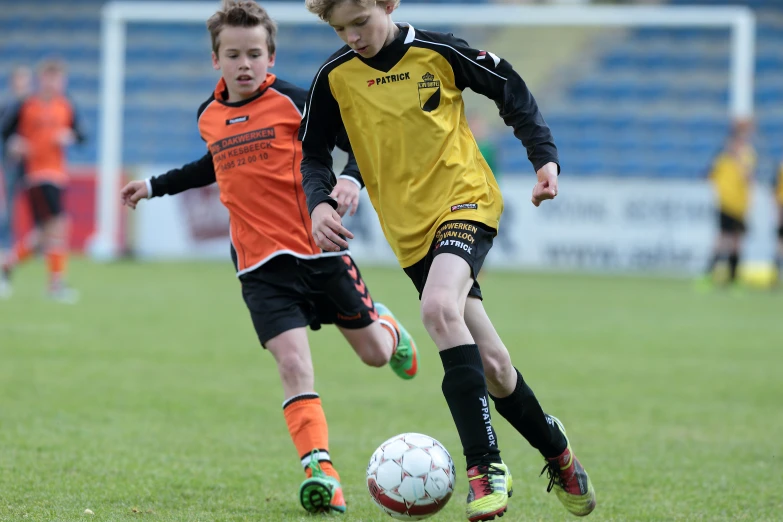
(639, 99)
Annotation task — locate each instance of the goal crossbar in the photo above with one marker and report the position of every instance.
(115, 16)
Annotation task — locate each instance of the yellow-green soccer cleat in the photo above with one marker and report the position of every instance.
(405, 360)
(321, 493)
(569, 479)
(489, 489)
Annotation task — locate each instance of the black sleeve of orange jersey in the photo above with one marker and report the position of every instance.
(318, 132)
(199, 173)
(493, 77)
(76, 124)
(10, 121)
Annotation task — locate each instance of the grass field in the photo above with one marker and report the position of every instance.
(152, 400)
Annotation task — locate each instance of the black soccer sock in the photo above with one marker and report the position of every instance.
(465, 390)
(733, 264)
(522, 410)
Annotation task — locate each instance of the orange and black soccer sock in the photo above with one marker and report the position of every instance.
(306, 422)
(56, 260)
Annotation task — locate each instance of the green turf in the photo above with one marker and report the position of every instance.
(152, 400)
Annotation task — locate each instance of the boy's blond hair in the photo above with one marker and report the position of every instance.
(241, 13)
(323, 8)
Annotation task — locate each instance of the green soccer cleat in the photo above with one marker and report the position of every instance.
(405, 359)
(321, 493)
(489, 489)
(569, 479)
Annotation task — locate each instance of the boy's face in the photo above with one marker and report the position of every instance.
(52, 82)
(364, 29)
(243, 58)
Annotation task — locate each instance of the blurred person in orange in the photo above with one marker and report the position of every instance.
(37, 133)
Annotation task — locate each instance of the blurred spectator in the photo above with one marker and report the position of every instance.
(20, 83)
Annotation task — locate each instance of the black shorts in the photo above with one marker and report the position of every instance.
(286, 293)
(730, 224)
(470, 240)
(780, 232)
(46, 202)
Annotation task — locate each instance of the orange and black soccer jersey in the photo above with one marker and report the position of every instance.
(254, 155)
(41, 122)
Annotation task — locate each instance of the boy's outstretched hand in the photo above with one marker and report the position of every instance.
(546, 188)
(133, 192)
(327, 228)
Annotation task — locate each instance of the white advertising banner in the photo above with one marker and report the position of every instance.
(595, 224)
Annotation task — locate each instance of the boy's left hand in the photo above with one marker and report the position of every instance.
(66, 138)
(346, 193)
(546, 188)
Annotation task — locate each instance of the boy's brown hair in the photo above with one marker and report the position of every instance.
(323, 8)
(241, 13)
(51, 65)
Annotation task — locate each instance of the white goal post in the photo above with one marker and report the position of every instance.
(116, 15)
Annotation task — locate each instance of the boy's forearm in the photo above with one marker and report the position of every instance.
(199, 173)
(317, 182)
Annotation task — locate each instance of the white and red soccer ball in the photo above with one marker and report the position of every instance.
(411, 476)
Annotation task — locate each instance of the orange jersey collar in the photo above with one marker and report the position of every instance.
(222, 88)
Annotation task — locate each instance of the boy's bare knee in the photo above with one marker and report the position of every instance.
(438, 312)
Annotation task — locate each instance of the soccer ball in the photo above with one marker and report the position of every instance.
(411, 476)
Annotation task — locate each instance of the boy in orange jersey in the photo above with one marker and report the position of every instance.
(250, 124)
(38, 133)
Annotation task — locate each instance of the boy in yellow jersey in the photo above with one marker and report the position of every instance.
(731, 175)
(397, 92)
(779, 200)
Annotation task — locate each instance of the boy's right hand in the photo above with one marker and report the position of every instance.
(133, 192)
(327, 228)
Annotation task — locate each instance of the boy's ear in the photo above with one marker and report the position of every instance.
(215, 63)
(271, 60)
(388, 7)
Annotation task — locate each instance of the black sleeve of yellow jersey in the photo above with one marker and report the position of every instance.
(299, 97)
(199, 173)
(351, 168)
(319, 131)
(493, 77)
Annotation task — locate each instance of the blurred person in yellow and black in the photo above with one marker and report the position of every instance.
(732, 174)
(779, 202)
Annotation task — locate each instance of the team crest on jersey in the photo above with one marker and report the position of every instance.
(429, 92)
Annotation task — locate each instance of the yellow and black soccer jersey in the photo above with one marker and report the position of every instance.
(731, 175)
(404, 115)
